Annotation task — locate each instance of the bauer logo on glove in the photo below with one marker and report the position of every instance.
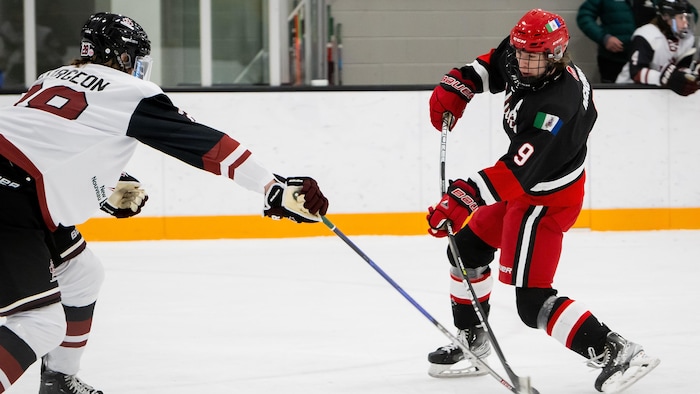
(462, 198)
(451, 95)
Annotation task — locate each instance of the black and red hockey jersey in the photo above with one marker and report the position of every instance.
(548, 130)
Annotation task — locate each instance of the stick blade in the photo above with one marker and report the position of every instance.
(524, 386)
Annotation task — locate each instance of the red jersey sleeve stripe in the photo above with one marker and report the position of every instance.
(486, 57)
(219, 153)
(236, 163)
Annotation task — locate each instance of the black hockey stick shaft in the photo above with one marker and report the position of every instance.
(521, 383)
(465, 348)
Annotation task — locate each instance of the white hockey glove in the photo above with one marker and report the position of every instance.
(298, 199)
(127, 199)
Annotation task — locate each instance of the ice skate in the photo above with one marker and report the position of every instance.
(449, 361)
(53, 382)
(623, 363)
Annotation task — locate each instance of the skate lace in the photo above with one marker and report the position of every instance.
(77, 386)
(464, 336)
(450, 347)
(598, 361)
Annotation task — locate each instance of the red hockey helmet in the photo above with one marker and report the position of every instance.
(541, 31)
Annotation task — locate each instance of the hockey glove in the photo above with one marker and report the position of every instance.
(451, 95)
(681, 80)
(297, 198)
(462, 198)
(127, 199)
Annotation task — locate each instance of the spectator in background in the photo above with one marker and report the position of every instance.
(610, 24)
(49, 48)
(11, 45)
(663, 50)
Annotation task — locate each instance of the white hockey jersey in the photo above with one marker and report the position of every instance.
(651, 52)
(77, 127)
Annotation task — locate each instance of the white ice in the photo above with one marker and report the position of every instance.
(309, 315)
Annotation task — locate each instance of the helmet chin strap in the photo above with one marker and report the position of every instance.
(538, 82)
(531, 83)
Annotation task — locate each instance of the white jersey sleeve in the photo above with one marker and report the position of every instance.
(77, 127)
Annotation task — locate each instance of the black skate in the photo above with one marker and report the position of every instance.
(58, 383)
(623, 363)
(445, 361)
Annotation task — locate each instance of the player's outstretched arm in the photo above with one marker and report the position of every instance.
(296, 198)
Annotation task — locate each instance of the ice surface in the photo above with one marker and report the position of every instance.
(309, 316)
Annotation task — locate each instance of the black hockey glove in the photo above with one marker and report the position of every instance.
(297, 198)
(127, 199)
(681, 80)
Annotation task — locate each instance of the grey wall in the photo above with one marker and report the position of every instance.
(399, 42)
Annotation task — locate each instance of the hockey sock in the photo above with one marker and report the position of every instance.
(66, 357)
(15, 357)
(463, 311)
(573, 325)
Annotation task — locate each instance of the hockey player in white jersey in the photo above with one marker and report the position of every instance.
(663, 50)
(64, 143)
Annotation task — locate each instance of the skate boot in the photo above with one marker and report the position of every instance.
(53, 382)
(623, 363)
(445, 361)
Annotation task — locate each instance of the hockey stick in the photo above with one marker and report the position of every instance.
(465, 349)
(521, 383)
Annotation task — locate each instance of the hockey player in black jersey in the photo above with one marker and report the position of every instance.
(65, 142)
(526, 201)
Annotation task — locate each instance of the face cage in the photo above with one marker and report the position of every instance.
(522, 82)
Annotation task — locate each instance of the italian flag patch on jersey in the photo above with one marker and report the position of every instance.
(548, 122)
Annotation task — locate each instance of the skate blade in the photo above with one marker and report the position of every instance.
(640, 365)
(459, 370)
